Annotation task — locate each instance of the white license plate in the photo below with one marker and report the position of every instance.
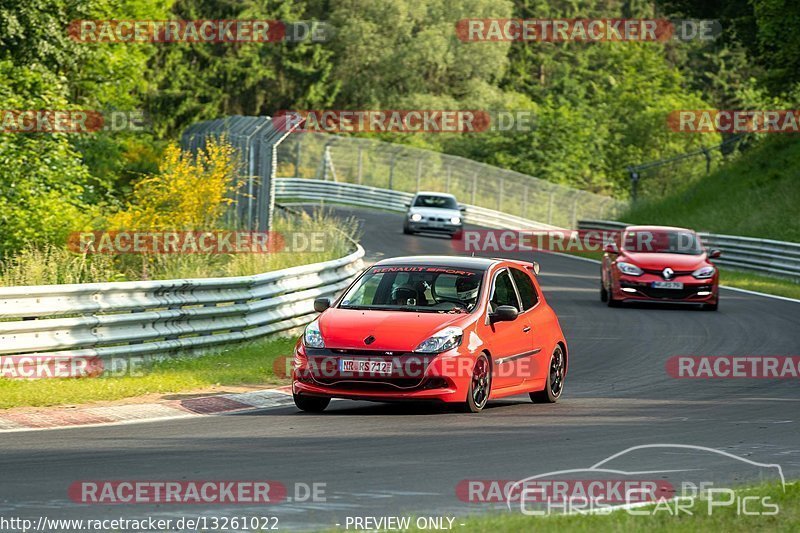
(667, 285)
(436, 224)
(364, 366)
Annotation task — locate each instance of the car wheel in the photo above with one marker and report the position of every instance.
(610, 297)
(311, 404)
(554, 384)
(603, 291)
(480, 385)
(407, 230)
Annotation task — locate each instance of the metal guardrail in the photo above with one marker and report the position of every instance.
(743, 253)
(399, 167)
(127, 319)
(362, 195)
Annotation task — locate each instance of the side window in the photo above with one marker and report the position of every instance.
(527, 292)
(503, 292)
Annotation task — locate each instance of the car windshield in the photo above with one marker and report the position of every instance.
(441, 202)
(662, 242)
(432, 289)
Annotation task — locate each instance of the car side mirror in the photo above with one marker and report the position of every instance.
(504, 313)
(321, 304)
(714, 253)
(462, 208)
(407, 204)
(611, 248)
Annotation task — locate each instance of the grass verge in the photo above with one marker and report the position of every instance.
(247, 364)
(661, 519)
(302, 239)
(755, 196)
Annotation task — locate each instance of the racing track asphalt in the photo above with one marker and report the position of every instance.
(381, 459)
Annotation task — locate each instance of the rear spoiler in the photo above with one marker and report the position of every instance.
(530, 265)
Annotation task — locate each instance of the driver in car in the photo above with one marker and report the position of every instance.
(467, 290)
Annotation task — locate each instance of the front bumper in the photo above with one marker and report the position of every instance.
(640, 289)
(435, 227)
(444, 377)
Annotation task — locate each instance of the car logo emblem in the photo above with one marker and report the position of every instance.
(667, 273)
(369, 340)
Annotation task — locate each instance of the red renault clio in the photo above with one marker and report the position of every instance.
(659, 264)
(461, 330)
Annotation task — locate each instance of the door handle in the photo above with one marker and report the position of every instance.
(526, 329)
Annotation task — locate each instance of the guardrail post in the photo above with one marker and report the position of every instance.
(634, 184)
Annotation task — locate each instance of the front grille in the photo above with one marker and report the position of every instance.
(671, 294)
(372, 384)
(659, 271)
(324, 366)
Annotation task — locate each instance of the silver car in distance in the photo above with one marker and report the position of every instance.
(434, 212)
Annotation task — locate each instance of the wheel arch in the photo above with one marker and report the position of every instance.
(563, 345)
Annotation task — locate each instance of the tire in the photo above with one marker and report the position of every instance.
(480, 386)
(603, 291)
(311, 404)
(554, 385)
(610, 298)
(407, 231)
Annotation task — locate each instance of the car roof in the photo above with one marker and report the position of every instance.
(432, 193)
(456, 261)
(657, 228)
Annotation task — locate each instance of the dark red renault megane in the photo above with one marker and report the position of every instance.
(659, 264)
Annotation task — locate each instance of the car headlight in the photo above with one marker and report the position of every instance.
(455, 220)
(312, 336)
(441, 341)
(629, 269)
(704, 272)
(416, 217)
